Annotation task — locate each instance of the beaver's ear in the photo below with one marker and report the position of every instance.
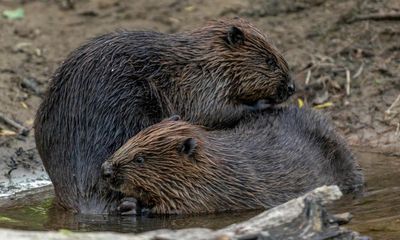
(188, 146)
(235, 36)
(173, 118)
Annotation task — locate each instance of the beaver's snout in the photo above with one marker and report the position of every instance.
(291, 89)
(106, 171)
(285, 91)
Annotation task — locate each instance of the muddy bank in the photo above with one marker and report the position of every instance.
(20, 167)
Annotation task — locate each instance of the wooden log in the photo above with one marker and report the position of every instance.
(301, 218)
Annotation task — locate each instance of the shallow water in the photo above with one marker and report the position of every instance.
(376, 214)
(41, 217)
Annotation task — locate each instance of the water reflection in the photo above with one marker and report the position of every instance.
(142, 224)
(44, 217)
(377, 213)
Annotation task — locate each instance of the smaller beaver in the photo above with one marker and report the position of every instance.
(174, 167)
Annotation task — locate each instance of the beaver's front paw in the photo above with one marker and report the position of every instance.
(128, 206)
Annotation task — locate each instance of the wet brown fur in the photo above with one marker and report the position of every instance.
(241, 71)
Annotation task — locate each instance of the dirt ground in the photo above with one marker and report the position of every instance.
(345, 56)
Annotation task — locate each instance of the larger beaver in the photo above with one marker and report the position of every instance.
(176, 167)
(117, 84)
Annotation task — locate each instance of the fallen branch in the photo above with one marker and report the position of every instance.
(21, 129)
(376, 17)
(301, 218)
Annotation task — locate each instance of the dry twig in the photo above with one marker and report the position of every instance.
(389, 110)
(22, 130)
(348, 81)
(359, 71)
(308, 77)
(377, 17)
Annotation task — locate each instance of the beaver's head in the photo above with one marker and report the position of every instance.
(233, 67)
(252, 65)
(160, 167)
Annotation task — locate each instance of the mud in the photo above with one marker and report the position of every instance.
(20, 168)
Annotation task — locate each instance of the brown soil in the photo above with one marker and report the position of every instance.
(322, 40)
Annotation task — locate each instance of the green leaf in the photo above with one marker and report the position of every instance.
(324, 105)
(65, 232)
(7, 220)
(14, 14)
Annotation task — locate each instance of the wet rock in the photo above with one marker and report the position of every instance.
(32, 85)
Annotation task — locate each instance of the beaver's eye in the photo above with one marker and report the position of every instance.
(271, 62)
(140, 160)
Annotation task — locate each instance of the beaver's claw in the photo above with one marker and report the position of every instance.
(128, 206)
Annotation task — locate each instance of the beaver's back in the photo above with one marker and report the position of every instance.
(292, 151)
(92, 107)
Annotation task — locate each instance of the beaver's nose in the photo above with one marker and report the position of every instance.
(291, 88)
(106, 171)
